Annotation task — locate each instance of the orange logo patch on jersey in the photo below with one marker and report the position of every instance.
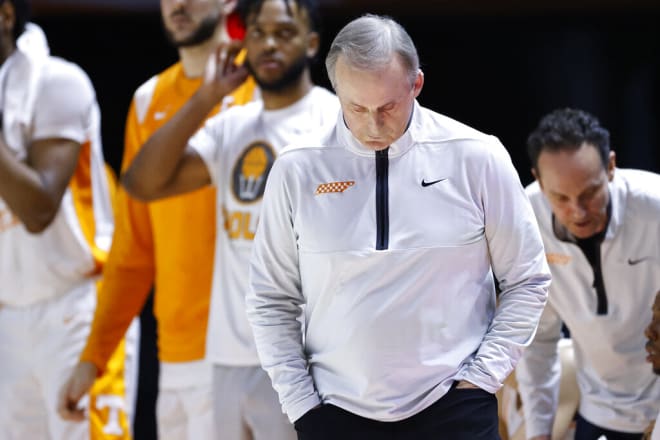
(560, 259)
(334, 187)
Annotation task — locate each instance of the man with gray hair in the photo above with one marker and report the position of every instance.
(389, 236)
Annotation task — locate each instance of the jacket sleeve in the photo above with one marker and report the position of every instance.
(275, 299)
(539, 374)
(519, 265)
(129, 271)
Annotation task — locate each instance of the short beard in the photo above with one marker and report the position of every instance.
(657, 371)
(288, 78)
(202, 34)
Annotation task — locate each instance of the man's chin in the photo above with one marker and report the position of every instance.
(375, 145)
(270, 84)
(582, 232)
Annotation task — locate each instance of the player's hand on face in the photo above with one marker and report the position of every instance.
(222, 74)
(79, 383)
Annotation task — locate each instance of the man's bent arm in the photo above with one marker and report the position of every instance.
(166, 166)
(33, 190)
(127, 280)
(33, 186)
(518, 262)
(129, 270)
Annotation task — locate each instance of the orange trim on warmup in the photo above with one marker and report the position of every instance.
(108, 415)
(83, 201)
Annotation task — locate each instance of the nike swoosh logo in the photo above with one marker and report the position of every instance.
(637, 261)
(425, 183)
(160, 115)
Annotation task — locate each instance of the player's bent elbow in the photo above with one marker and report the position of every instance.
(38, 222)
(37, 227)
(137, 189)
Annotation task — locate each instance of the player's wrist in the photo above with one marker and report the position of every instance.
(208, 95)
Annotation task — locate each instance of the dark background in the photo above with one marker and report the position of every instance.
(497, 65)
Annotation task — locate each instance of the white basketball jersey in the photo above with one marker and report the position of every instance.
(46, 97)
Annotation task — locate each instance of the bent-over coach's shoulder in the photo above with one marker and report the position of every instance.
(643, 192)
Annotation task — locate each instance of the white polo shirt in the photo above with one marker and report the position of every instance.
(618, 389)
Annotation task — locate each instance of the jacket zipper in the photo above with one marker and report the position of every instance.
(382, 200)
(591, 249)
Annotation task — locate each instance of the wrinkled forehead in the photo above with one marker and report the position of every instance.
(371, 86)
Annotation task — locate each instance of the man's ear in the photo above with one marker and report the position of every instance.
(419, 83)
(313, 44)
(537, 177)
(611, 165)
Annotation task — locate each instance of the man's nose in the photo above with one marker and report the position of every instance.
(270, 42)
(375, 121)
(578, 210)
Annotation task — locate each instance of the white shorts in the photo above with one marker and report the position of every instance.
(184, 409)
(39, 346)
(246, 406)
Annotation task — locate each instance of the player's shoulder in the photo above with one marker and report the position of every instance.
(237, 116)
(323, 94)
(533, 190)
(536, 197)
(147, 88)
(63, 83)
(145, 91)
(58, 72)
(144, 94)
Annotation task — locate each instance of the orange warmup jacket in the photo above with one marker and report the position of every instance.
(169, 242)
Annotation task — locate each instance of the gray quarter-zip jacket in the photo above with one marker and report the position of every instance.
(392, 254)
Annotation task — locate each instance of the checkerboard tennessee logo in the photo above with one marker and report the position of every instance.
(334, 187)
(251, 170)
(558, 259)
